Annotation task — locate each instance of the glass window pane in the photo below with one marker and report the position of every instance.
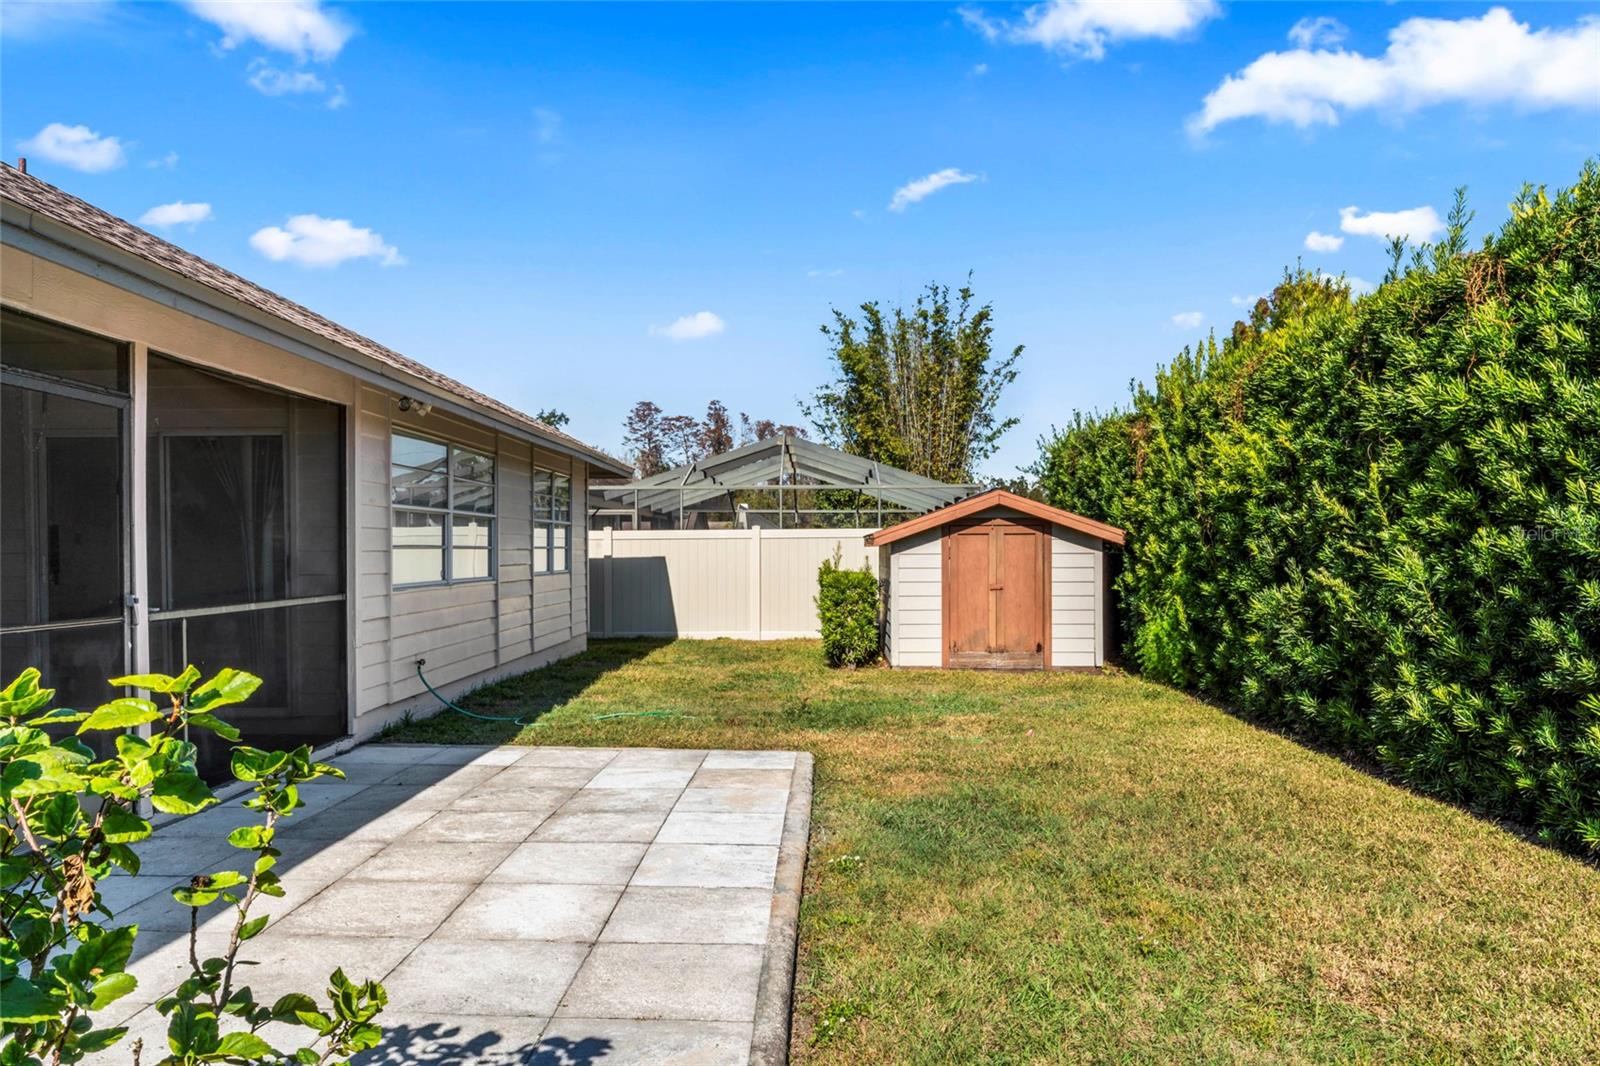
(417, 488)
(413, 451)
(471, 496)
(474, 466)
(29, 343)
(418, 529)
(559, 536)
(468, 563)
(560, 560)
(417, 565)
(471, 532)
(563, 496)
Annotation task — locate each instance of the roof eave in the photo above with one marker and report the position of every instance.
(996, 498)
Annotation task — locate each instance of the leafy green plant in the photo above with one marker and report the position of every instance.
(847, 605)
(70, 819)
(1379, 520)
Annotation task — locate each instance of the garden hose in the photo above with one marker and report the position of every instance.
(518, 719)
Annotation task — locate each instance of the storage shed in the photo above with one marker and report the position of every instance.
(997, 581)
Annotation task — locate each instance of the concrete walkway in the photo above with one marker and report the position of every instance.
(522, 905)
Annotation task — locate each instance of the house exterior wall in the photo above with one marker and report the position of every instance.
(469, 633)
(916, 588)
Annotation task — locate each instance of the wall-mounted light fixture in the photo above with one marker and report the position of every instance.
(419, 406)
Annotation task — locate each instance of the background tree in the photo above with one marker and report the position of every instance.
(716, 432)
(681, 436)
(916, 388)
(642, 439)
(753, 432)
(553, 418)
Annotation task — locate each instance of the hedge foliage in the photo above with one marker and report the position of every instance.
(1379, 521)
(847, 605)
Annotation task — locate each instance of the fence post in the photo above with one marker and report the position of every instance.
(755, 581)
(610, 576)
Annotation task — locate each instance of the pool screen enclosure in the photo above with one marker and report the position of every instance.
(243, 527)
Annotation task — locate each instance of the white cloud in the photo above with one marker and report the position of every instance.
(980, 69)
(270, 81)
(302, 28)
(176, 214)
(1188, 319)
(314, 241)
(1323, 30)
(546, 125)
(1323, 242)
(77, 147)
(922, 188)
(1415, 224)
(691, 327)
(166, 162)
(1488, 60)
(1244, 301)
(819, 273)
(337, 98)
(1083, 28)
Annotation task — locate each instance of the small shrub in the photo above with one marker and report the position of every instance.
(847, 604)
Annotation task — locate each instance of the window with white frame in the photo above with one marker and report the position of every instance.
(552, 522)
(442, 498)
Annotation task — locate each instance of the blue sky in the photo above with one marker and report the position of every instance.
(542, 199)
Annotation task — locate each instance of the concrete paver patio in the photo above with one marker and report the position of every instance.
(522, 905)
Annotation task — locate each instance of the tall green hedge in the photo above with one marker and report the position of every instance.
(1379, 520)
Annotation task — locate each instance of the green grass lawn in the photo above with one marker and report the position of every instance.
(1059, 867)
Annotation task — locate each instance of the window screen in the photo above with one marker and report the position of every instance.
(552, 522)
(443, 502)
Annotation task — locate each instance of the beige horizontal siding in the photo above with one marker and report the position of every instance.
(916, 578)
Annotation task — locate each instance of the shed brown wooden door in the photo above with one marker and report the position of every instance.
(997, 595)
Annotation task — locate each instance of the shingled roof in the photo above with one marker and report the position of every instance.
(28, 192)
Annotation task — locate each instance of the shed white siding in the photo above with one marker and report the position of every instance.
(916, 583)
(1075, 609)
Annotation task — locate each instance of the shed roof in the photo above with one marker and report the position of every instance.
(40, 197)
(784, 459)
(996, 498)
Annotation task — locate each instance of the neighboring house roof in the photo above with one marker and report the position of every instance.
(31, 194)
(781, 460)
(996, 498)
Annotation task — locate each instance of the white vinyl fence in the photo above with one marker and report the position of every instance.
(755, 584)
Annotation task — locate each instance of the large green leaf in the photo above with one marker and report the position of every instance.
(122, 713)
(246, 1046)
(228, 686)
(162, 683)
(22, 1001)
(112, 987)
(24, 696)
(181, 793)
